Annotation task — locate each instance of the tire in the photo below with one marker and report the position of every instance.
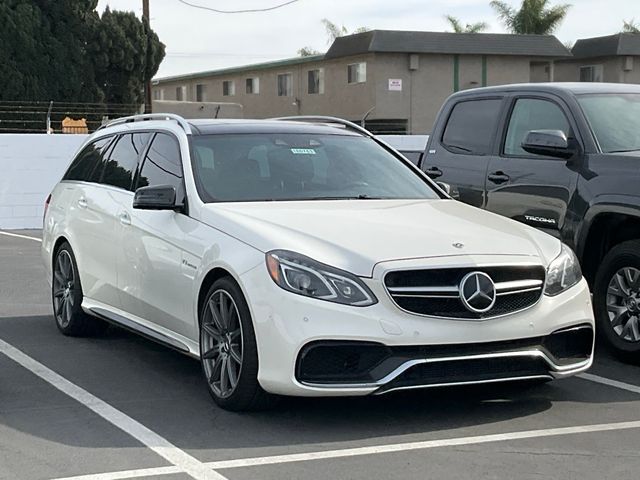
(617, 309)
(228, 349)
(66, 297)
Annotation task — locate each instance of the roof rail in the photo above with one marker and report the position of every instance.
(328, 120)
(150, 116)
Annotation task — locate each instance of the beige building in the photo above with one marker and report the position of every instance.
(614, 58)
(397, 80)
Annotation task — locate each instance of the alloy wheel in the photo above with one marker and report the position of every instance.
(222, 343)
(623, 303)
(64, 286)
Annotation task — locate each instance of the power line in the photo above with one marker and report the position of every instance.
(254, 10)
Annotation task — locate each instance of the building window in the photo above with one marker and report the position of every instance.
(181, 93)
(228, 88)
(357, 72)
(591, 73)
(316, 81)
(285, 85)
(158, 94)
(201, 93)
(253, 86)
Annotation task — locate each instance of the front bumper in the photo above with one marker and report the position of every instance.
(421, 351)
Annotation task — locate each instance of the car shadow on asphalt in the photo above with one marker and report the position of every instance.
(165, 391)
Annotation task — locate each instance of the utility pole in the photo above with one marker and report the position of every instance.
(147, 85)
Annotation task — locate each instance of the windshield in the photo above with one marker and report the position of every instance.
(266, 167)
(614, 119)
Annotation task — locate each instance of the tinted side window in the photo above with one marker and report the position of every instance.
(471, 126)
(162, 164)
(88, 162)
(532, 114)
(123, 160)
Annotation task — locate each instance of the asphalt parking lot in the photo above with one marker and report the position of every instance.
(119, 406)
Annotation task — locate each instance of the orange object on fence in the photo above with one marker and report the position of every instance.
(69, 125)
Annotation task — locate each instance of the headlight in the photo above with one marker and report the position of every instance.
(304, 276)
(563, 272)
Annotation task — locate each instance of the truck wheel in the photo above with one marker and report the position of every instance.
(617, 300)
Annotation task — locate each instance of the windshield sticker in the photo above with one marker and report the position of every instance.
(303, 151)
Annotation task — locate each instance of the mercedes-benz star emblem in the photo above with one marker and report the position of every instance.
(478, 292)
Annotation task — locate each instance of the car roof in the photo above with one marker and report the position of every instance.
(231, 126)
(559, 88)
(248, 126)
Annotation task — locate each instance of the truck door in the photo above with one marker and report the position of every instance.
(530, 188)
(459, 150)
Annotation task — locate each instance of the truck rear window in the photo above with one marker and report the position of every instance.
(471, 126)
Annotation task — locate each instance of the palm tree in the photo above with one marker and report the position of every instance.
(333, 31)
(457, 26)
(630, 26)
(534, 16)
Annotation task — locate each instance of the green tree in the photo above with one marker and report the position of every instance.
(308, 52)
(124, 58)
(630, 26)
(62, 50)
(333, 31)
(533, 16)
(457, 26)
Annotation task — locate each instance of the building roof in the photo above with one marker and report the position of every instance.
(394, 41)
(245, 68)
(618, 44)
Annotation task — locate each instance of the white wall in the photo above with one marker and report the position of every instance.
(30, 166)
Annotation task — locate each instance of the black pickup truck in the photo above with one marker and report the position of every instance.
(562, 157)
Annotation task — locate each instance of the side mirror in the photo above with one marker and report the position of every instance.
(445, 186)
(160, 197)
(551, 143)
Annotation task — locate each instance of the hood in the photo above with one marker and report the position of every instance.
(355, 235)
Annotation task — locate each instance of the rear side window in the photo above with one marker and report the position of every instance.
(471, 126)
(162, 164)
(123, 160)
(87, 165)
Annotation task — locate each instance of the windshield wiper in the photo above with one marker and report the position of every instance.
(362, 196)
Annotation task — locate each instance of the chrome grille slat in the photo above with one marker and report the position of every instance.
(436, 292)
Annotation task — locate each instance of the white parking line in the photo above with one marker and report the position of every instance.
(612, 383)
(184, 462)
(373, 450)
(17, 235)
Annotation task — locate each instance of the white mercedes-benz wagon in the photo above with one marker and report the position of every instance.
(304, 257)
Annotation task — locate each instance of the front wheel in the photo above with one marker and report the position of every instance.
(228, 349)
(617, 300)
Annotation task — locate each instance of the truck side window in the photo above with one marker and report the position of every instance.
(532, 114)
(471, 126)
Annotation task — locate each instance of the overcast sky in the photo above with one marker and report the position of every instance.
(197, 40)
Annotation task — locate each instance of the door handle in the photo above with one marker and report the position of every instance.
(499, 177)
(433, 172)
(125, 219)
(82, 203)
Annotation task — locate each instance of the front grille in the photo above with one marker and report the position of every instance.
(436, 292)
